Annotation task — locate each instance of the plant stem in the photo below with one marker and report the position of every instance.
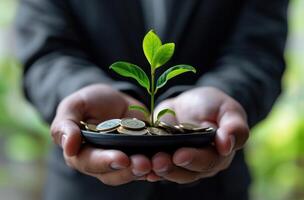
(152, 95)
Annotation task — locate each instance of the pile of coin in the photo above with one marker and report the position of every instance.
(133, 126)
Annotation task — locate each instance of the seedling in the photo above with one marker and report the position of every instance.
(157, 54)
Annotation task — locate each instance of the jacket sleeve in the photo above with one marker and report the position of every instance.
(251, 64)
(54, 56)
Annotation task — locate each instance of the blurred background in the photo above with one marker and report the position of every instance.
(275, 152)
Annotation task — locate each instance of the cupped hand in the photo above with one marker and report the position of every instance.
(94, 104)
(208, 107)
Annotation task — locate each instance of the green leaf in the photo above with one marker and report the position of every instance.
(141, 109)
(164, 112)
(172, 72)
(163, 55)
(130, 70)
(150, 45)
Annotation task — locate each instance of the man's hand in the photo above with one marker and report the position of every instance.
(94, 104)
(207, 107)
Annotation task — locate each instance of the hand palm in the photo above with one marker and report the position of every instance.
(205, 106)
(98, 103)
(193, 107)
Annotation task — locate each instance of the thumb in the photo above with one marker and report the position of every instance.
(232, 133)
(65, 129)
(67, 134)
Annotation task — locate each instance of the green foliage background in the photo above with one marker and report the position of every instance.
(275, 151)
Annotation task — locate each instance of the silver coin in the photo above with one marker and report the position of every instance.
(133, 124)
(122, 130)
(157, 131)
(108, 125)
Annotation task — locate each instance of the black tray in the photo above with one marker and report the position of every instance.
(148, 144)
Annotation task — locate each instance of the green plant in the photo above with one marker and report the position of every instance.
(157, 55)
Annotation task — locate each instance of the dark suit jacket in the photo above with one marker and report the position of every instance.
(237, 46)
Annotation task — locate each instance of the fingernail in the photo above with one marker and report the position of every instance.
(184, 161)
(162, 171)
(184, 164)
(138, 173)
(116, 166)
(232, 143)
(63, 140)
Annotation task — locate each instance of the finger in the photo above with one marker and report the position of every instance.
(181, 176)
(116, 178)
(163, 167)
(64, 129)
(197, 160)
(232, 133)
(152, 177)
(98, 161)
(161, 163)
(71, 108)
(66, 133)
(140, 166)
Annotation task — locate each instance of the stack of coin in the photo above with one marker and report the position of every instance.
(89, 127)
(132, 127)
(109, 126)
(136, 127)
(157, 131)
(169, 128)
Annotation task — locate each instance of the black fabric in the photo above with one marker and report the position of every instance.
(237, 46)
